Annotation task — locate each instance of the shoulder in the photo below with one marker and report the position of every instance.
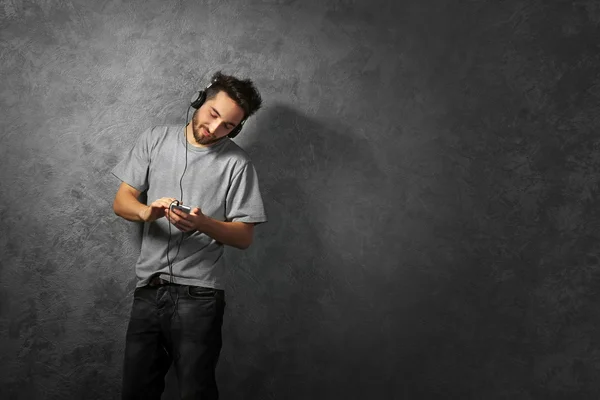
(234, 151)
(157, 135)
(237, 158)
(160, 131)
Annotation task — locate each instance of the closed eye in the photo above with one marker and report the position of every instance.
(214, 113)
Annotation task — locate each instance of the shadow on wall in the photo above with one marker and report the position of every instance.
(295, 298)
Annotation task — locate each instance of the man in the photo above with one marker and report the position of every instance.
(179, 300)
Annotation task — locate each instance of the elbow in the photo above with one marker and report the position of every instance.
(116, 208)
(245, 244)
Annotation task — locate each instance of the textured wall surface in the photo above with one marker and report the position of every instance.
(429, 169)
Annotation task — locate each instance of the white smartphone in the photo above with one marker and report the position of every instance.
(181, 207)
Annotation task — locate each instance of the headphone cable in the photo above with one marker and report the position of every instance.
(169, 262)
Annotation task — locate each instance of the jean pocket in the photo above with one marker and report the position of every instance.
(200, 292)
(142, 292)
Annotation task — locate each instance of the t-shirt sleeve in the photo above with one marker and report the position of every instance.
(133, 169)
(244, 202)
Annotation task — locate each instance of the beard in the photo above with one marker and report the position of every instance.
(198, 130)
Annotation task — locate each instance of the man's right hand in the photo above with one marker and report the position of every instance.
(156, 209)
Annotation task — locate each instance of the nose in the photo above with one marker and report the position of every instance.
(213, 126)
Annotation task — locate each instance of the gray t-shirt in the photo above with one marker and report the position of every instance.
(219, 179)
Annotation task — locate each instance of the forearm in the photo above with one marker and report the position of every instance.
(129, 207)
(234, 234)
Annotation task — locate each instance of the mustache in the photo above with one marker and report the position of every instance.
(203, 127)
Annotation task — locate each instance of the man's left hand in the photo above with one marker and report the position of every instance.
(186, 222)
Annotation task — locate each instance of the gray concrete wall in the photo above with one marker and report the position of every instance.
(430, 170)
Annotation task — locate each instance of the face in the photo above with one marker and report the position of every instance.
(215, 119)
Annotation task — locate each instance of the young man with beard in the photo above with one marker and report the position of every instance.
(179, 300)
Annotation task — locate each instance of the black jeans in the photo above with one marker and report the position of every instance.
(188, 335)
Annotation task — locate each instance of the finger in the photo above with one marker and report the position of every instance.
(160, 204)
(186, 224)
(180, 213)
(170, 216)
(179, 220)
(182, 224)
(184, 228)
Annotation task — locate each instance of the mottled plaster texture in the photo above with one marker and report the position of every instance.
(429, 169)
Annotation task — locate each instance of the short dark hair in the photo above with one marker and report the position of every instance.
(242, 91)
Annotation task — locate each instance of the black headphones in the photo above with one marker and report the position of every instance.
(201, 98)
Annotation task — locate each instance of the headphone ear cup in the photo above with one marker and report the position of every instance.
(236, 130)
(199, 100)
